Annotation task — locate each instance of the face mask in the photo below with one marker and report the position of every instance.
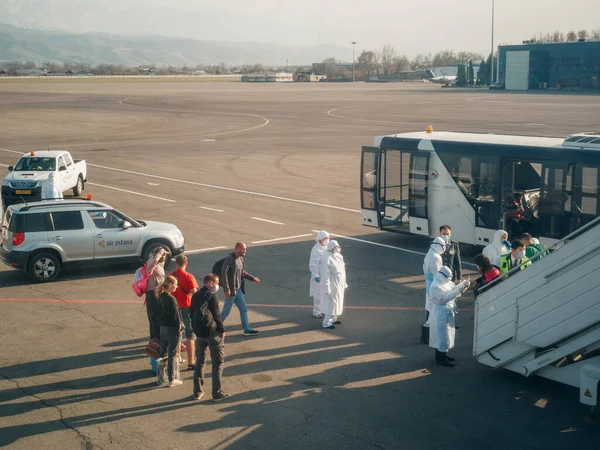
(521, 254)
(213, 289)
(324, 242)
(446, 238)
(337, 250)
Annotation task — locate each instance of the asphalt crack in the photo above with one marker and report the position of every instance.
(86, 442)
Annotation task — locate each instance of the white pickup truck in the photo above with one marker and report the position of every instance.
(24, 182)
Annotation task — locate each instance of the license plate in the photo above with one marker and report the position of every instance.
(24, 192)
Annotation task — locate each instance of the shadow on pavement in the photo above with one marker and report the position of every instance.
(368, 383)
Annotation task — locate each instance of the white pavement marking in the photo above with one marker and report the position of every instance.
(202, 250)
(194, 183)
(281, 239)
(132, 192)
(123, 100)
(268, 221)
(210, 209)
(414, 252)
(153, 184)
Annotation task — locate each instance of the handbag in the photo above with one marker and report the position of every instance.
(153, 348)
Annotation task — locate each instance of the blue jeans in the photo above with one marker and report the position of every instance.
(240, 301)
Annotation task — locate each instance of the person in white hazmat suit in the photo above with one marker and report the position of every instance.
(316, 254)
(431, 265)
(333, 280)
(498, 247)
(51, 188)
(443, 294)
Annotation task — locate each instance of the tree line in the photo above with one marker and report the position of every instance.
(12, 68)
(570, 36)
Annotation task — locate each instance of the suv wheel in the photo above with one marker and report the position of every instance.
(151, 247)
(78, 189)
(44, 267)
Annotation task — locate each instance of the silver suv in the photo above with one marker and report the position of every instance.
(43, 237)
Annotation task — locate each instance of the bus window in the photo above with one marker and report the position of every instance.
(478, 178)
(419, 181)
(556, 217)
(585, 191)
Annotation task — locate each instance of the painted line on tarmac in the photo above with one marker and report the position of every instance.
(267, 220)
(281, 239)
(133, 192)
(202, 250)
(212, 186)
(256, 305)
(210, 209)
(414, 252)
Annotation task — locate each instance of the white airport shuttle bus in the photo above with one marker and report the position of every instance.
(415, 182)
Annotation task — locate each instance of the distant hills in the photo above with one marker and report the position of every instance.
(33, 44)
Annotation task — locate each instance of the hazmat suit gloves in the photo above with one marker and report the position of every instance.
(318, 279)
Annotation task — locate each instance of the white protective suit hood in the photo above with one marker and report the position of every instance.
(496, 249)
(438, 245)
(332, 244)
(443, 275)
(322, 235)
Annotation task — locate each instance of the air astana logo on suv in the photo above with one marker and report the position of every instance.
(433, 174)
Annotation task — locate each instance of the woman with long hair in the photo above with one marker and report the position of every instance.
(487, 270)
(171, 325)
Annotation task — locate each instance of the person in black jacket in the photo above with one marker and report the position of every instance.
(168, 316)
(210, 333)
(232, 279)
(451, 257)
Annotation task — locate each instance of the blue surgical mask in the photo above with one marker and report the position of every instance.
(521, 254)
(446, 238)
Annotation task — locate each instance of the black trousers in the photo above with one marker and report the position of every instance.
(216, 344)
(154, 327)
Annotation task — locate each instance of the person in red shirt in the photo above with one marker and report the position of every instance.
(187, 286)
(487, 271)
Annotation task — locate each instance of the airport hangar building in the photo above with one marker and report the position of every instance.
(564, 65)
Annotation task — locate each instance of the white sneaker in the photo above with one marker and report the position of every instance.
(175, 383)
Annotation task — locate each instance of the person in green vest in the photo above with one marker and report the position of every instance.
(515, 258)
(533, 251)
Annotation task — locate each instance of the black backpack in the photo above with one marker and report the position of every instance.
(218, 267)
(203, 322)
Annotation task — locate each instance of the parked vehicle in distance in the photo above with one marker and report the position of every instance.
(44, 237)
(24, 182)
(496, 86)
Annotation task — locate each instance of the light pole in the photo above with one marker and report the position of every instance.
(492, 65)
(353, 65)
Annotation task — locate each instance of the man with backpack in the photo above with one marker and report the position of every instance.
(210, 333)
(232, 275)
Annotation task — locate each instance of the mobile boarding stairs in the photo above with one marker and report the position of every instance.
(545, 320)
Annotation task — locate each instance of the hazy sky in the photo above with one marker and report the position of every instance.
(412, 26)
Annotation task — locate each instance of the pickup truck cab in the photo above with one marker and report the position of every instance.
(24, 182)
(43, 237)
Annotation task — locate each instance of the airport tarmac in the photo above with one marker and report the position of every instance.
(267, 164)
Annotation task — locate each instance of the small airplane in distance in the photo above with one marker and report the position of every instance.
(440, 79)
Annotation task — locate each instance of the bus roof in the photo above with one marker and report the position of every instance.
(504, 146)
(480, 138)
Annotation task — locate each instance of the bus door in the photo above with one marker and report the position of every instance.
(557, 219)
(369, 186)
(394, 195)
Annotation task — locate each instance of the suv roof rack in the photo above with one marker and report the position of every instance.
(54, 205)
